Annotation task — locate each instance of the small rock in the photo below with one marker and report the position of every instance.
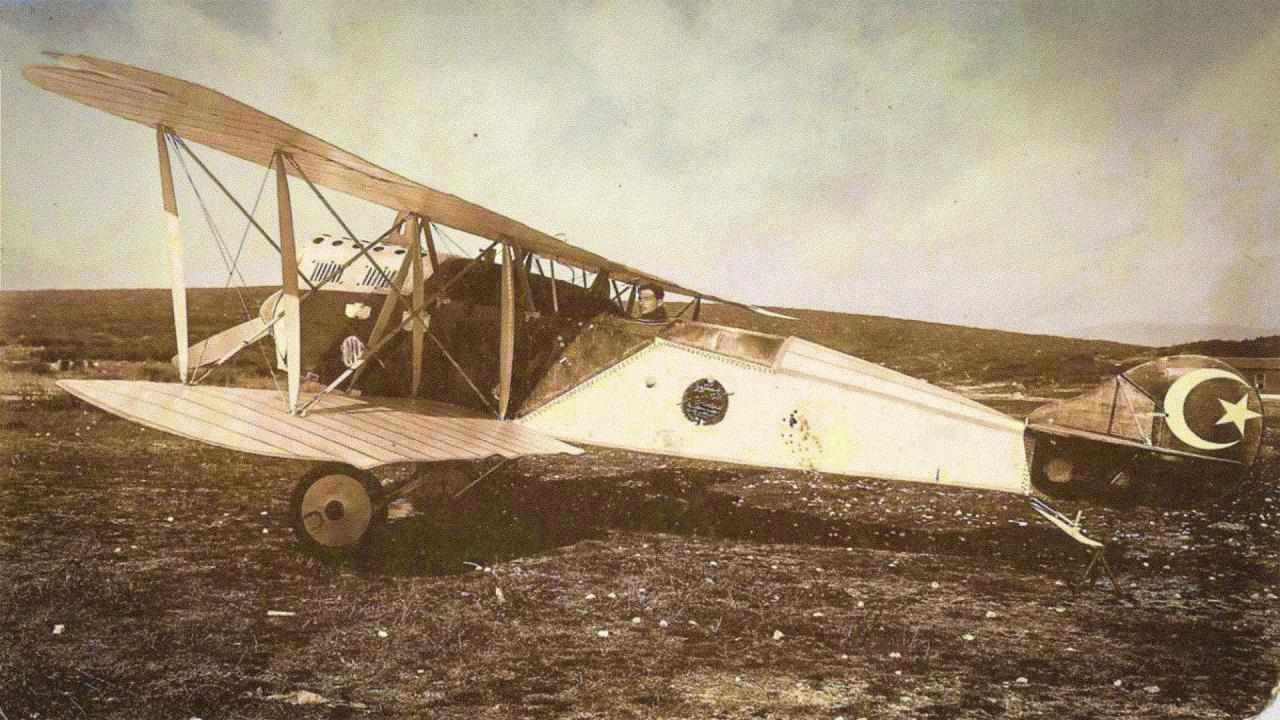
(1151, 689)
(497, 593)
(777, 635)
(169, 519)
(969, 637)
(990, 614)
(1117, 683)
(663, 623)
(818, 614)
(1021, 681)
(934, 585)
(57, 629)
(382, 633)
(591, 596)
(612, 596)
(300, 697)
(635, 620)
(895, 655)
(1232, 526)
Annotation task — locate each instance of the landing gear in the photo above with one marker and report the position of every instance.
(335, 508)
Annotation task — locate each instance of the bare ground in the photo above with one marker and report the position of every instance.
(723, 591)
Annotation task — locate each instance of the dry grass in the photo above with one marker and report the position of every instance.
(150, 551)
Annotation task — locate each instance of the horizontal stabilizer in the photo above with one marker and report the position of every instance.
(225, 343)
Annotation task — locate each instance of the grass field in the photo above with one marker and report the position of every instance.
(141, 571)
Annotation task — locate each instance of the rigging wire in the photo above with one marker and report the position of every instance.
(231, 261)
(440, 231)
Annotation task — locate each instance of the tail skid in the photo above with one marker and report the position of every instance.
(1074, 531)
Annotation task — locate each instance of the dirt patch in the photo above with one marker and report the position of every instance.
(613, 585)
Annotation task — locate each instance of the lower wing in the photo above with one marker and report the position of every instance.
(365, 433)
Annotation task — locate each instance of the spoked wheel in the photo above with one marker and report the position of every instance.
(336, 508)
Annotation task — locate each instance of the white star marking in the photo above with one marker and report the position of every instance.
(1237, 413)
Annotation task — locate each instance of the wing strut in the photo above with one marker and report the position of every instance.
(419, 330)
(173, 237)
(431, 245)
(507, 327)
(388, 307)
(289, 299)
(374, 348)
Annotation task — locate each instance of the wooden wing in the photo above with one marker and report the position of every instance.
(210, 118)
(365, 433)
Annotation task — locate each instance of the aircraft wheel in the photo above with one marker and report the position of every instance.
(335, 509)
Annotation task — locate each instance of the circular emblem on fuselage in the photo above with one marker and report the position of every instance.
(352, 351)
(705, 402)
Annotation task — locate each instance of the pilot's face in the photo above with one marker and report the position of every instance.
(648, 301)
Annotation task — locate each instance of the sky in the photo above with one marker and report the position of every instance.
(1067, 168)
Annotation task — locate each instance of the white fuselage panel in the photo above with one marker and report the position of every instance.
(813, 409)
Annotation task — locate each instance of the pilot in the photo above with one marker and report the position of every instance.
(650, 307)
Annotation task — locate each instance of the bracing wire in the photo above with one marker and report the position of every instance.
(228, 259)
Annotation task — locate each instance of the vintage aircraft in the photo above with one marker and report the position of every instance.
(531, 345)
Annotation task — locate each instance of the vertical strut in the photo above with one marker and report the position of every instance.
(289, 300)
(555, 297)
(507, 329)
(415, 257)
(173, 238)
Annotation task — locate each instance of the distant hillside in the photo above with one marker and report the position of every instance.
(136, 325)
(1257, 347)
(1169, 334)
(115, 324)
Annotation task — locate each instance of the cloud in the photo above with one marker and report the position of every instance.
(1042, 167)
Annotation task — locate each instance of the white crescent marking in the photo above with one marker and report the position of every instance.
(1176, 399)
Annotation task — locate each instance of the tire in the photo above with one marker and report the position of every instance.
(335, 509)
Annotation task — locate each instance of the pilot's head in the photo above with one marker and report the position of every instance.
(650, 298)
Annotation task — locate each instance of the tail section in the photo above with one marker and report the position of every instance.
(1171, 428)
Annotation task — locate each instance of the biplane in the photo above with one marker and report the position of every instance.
(413, 357)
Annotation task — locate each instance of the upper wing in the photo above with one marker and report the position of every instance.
(210, 118)
(359, 432)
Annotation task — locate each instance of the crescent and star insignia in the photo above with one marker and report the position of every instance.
(1175, 400)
